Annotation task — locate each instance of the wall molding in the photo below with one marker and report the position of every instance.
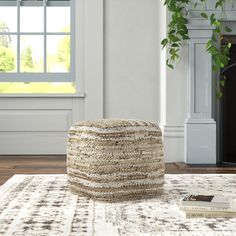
(27, 122)
(27, 143)
(173, 140)
(172, 131)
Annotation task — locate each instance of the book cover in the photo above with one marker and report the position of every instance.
(207, 201)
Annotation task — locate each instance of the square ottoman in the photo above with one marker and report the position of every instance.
(115, 160)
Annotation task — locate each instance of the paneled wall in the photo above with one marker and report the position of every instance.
(37, 125)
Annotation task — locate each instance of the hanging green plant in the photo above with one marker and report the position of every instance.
(178, 33)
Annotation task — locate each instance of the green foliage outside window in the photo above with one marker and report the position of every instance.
(64, 51)
(27, 63)
(7, 59)
(5, 40)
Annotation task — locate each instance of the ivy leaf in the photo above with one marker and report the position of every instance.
(185, 37)
(215, 68)
(173, 38)
(227, 29)
(209, 44)
(213, 38)
(212, 18)
(174, 45)
(169, 65)
(178, 32)
(217, 5)
(204, 15)
(219, 94)
(164, 42)
(217, 30)
(217, 23)
(222, 83)
(220, 3)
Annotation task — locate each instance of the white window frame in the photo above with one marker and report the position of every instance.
(41, 76)
(89, 60)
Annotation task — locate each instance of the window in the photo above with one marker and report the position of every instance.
(36, 41)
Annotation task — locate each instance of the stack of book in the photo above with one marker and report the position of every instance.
(208, 206)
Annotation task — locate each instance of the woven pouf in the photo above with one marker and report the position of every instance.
(114, 160)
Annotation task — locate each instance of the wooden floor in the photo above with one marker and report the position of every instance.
(10, 165)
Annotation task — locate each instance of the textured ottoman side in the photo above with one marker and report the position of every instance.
(114, 160)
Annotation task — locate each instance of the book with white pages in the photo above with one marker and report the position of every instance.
(205, 209)
(208, 214)
(217, 201)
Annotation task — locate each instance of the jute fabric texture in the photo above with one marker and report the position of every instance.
(115, 160)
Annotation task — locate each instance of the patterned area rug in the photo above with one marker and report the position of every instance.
(41, 205)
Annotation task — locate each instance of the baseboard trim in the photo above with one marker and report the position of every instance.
(172, 131)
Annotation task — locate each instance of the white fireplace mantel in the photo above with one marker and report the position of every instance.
(200, 133)
(199, 126)
(190, 123)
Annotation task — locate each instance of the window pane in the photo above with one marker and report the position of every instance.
(8, 59)
(31, 53)
(31, 19)
(58, 53)
(8, 21)
(58, 19)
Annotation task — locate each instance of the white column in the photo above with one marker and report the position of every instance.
(200, 127)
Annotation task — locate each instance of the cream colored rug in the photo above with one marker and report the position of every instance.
(38, 205)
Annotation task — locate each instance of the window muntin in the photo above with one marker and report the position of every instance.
(30, 53)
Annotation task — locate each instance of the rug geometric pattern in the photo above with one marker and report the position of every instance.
(41, 205)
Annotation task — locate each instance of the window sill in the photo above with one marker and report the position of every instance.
(42, 95)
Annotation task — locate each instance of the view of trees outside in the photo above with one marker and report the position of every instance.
(58, 49)
(31, 53)
(31, 61)
(7, 57)
(27, 60)
(32, 49)
(64, 52)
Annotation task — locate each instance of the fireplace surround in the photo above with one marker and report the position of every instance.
(203, 142)
(226, 118)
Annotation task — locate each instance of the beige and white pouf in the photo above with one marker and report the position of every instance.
(114, 160)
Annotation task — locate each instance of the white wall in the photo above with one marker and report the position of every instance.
(124, 71)
(132, 59)
(137, 83)
(173, 101)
